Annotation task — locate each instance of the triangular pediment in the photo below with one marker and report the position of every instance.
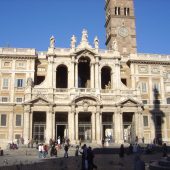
(85, 51)
(129, 102)
(39, 101)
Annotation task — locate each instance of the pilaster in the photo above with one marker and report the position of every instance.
(71, 126)
(93, 121)
(26, 134)
(92, 75)
(49, 124)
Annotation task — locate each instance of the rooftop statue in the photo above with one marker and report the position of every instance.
(84, 36)
(52, 42)
(73, 42)
(96, 42)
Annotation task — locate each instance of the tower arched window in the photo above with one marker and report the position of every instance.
(117, 11)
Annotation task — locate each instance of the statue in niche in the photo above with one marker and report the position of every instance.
(96, 42)
(73, 42)
(114, 45)
(108, 86)
(29, 82)
(52, 42)
(84, 35)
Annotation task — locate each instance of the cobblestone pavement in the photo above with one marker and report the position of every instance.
(104, 160)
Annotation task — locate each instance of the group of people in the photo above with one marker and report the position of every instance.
(87, 158)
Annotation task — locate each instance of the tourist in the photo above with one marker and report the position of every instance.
(138, 163)
(121, 151)
(80, 142)
(66, 151)
(164, 150)
(103, 142)
(84, 157)
(40, 151)
(130, 149)
(77, 151)
(90, 157)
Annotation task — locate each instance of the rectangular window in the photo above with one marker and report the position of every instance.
(18, 120)
(19, 83)
(144, 101)
(5, 83)
(156, 87)
(3, 119)
(145, 121)
(4, 99)
(19, 99)
(143, 87)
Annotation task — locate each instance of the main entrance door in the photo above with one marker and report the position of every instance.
(84, 128)
(107, 126)
(39, 131)
(61, 120)
(39, 126)
(128, 127)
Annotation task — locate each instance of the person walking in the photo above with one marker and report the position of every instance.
(84, 157)
(90, 157)
(103, 143)
(66, 151)
(138, 163)
(121, 151)
(164, 150)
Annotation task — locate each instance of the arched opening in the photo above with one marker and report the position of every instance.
(106, 78)
(61, 77)
(84, 72)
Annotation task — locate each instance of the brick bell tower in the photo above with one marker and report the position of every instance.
(120, 25)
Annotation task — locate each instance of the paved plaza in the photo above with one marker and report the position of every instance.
(105, 158)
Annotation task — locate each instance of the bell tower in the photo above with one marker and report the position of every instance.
(120, 25)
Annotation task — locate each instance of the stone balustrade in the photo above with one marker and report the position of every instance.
(17, 51)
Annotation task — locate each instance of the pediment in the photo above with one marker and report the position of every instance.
(39, 101)
(85, 100)
(85, 51)
(129, 102)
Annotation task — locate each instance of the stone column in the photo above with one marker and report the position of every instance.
(98, 127)
(117, 74)
(92, 75)
(11, 127)
(76, 75)
(71, 126)
(97, 73)
(93, 121)
(76, 127)
(140, 124)
(118, 122)
(31, 117)
(26, 134)
(50, 71)
(49, 125)
(54, 125)
(71, 78)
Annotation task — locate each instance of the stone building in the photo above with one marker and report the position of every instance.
(86, 92)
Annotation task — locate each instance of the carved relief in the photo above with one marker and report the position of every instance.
(155, 70)
(143, 68)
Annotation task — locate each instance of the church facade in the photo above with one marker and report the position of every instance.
(84, 92)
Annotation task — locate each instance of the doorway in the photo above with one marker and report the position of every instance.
(39, 126)
(84, 128)
(129, 133)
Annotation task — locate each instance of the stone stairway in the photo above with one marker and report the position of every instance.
(162, 164)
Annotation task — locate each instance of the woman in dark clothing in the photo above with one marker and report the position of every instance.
(122, 151)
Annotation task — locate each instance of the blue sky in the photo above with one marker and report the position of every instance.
(30, 23)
